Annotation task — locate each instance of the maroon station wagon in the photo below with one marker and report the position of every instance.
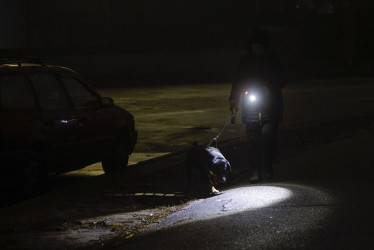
(51, 121)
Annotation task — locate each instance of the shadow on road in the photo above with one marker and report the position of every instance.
(13, 193)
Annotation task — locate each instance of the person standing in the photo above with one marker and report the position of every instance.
(263, 73)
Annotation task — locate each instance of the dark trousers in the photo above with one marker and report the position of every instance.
(262, 144)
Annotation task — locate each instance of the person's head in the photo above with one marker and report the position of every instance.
(258, 42)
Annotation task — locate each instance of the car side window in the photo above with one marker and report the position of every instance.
(80, 95)
(49, 91)
(16, 94)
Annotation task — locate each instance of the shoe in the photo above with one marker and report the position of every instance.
(214, 191)
(255, 177)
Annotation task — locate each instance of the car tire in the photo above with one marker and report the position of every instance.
(117, 159)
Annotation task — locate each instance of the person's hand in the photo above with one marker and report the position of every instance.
(234, 106)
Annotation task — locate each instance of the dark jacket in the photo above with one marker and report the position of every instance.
(268, 71)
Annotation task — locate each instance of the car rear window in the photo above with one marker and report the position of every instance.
(16, 94)
(49, 91)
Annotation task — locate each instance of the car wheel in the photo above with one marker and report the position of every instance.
(117, 159)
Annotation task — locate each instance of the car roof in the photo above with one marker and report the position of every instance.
(28, 65)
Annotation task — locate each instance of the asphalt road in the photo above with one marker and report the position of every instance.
(331, 208)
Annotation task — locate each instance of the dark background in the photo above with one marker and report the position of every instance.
(130, 42)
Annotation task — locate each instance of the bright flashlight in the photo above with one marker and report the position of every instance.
(252, 98)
